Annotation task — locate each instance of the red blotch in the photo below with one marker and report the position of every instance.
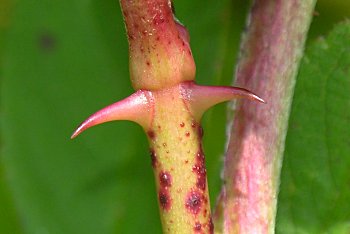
(205, 200)
(131, 37)
(197, 227)
(153, 158)
(164, 199)
(194, 202)
(151, 134)
(200, 132)
(205, 212)
(211, 225)
(165, 179)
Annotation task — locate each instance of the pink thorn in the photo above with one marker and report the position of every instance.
(134, 108)
(204, 97)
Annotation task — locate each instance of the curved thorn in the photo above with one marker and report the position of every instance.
(135, 108)
(204, 97)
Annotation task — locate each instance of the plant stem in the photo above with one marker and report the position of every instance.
(160, 55)
(169, 106)
(171, 119)
(270, 53)
(178, 163)
(160, 60)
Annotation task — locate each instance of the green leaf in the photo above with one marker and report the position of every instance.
(315, 189)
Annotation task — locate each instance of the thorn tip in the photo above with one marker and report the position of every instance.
(133, 108)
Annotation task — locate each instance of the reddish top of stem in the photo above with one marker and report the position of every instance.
(160, 55)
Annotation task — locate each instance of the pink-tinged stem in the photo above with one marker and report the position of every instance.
(160, 55)
(270, 54)
(171, 119)
(169, 106)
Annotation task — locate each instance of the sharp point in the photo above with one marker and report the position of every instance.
(74, 135)
(133, 108)
(77, 131)
(249, 95)
(257, 98)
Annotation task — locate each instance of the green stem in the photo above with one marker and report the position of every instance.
(178, 163)
(168, 105)
(160, 60)
(171, 119)
(271, 51)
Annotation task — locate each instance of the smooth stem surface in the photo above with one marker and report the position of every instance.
(270, 54)
(178, 163)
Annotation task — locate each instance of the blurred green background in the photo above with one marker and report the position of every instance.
(60, 61)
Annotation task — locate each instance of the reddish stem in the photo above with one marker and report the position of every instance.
(160, 55)
(271, 51)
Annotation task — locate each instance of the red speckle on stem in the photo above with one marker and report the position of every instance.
(211, 225)
(153, 158)
(205, 212)
(200, 170)
(187, 134)
(197, 227)
(182, 124)
(193, 202)
(131, 37)
(164, 199)
(151, 134)
(200, 132)
(125, 13)
(164, 179)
